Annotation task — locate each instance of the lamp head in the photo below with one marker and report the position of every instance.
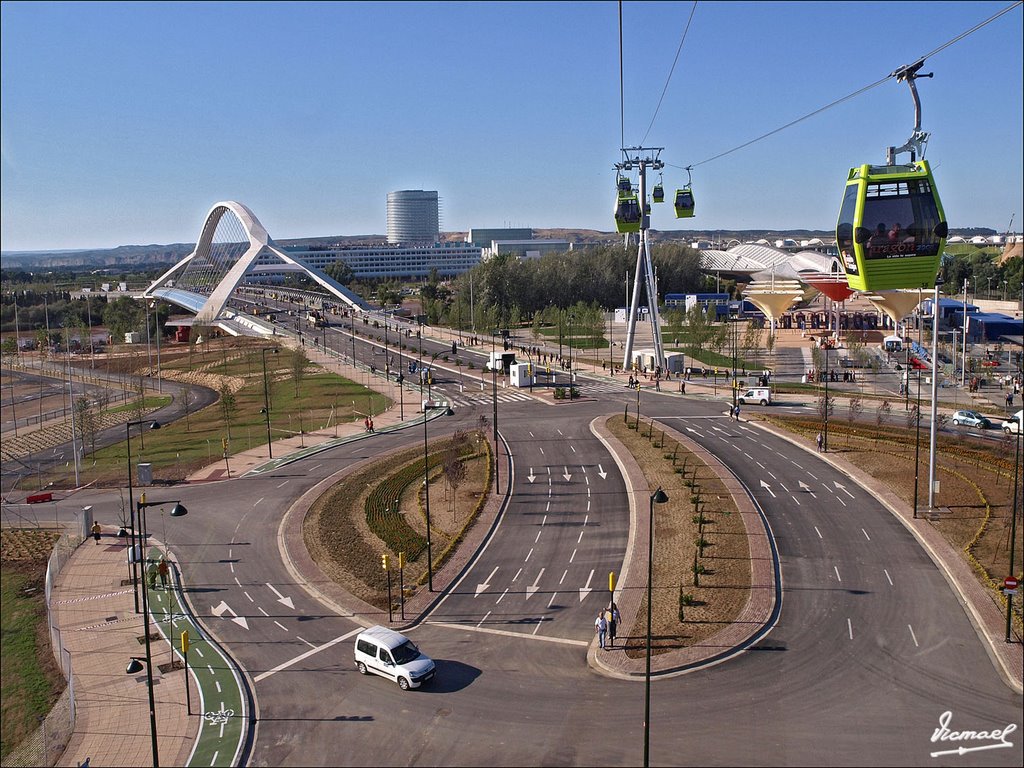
(134, 666)
(155, 425)
(659, 497)
(179, 510)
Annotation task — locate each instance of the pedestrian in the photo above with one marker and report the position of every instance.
(682, 387)
(736, 411)
(1009, 400)
(164, 571)
(601, 624)
(820, 440)
(613, 624)
(96, 531)
(366, 423)
(371, 425)
(151, 576)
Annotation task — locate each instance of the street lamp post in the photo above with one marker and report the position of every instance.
(178, 511)
(824, 405)
(266, 397)
(133, 560)
(427, 406)
(658, 497)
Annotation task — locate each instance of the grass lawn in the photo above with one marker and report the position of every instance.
(30, 680)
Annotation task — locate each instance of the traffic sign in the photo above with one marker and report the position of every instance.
(1010, 582)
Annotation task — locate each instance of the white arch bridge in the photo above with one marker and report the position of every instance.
(234, 250)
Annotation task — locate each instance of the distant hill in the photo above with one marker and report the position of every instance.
(134, 256)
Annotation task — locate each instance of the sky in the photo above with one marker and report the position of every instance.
(124, 123)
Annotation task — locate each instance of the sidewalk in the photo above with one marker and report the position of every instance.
(101, 630)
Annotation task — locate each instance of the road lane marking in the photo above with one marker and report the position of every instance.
(812, 475)
(913, 636)
(836, 567)
(517, 575)
(553, 595)
(538, 536)
(794, 498)
(886, 572)
(865, 534)
(262, 611)
(573, 557)
(564, 573)
(305, 641)
(502, 596)
(307, 654)
(528, 555)
(284, 483)
(849, 626)
(249, 596)
(510, 633)
(818, 532)
(484, 618)
(282, 626)
(258, 500)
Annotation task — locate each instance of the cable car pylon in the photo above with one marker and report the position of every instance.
(643, 159)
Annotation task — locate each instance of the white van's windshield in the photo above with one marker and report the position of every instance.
(405, 653)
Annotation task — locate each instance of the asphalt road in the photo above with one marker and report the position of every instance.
(870, 649)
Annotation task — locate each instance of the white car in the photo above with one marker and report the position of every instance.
(1012, 425)
(390, 654)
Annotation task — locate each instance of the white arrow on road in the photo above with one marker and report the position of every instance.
(281, 598)
(531, 477)
(584, 591)
(533, 587)
(805, 487)
(842, 488)
(767, 488)
(566, 474)
(487, 583)
(717, 429)
(689, 429)
(223, 608)
(601, 472)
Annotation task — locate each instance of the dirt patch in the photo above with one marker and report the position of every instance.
(698, 589)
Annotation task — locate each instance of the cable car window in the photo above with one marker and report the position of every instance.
(902, 218)
(844, 230)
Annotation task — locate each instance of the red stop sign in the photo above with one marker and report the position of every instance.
(1010, 582)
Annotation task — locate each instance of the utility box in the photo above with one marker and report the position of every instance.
(500, 361)
(145, 473)
(674, 362)
(521, 375)
(133, 337)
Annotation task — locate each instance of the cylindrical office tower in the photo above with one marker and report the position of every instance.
(413, 217)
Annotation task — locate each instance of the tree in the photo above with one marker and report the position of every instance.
(299, 364)
(340, 272)
(228, 405)
(123, 316)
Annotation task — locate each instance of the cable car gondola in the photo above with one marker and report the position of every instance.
(684, 199)
(684, 203)
(623, 184)
(627, 212)
(891, 228)
(658, 194)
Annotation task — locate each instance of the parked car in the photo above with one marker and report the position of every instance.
(1012, 425)
(971, 419)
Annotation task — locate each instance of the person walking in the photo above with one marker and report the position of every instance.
(164, 572)
(736, 411)
(601, 624)
(96, 531)
(820, 440)
(613, 624)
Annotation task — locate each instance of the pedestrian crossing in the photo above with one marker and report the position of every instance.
(468, 399)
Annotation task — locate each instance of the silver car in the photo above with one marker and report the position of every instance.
(971, 419)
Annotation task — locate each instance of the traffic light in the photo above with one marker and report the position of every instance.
(384, 561)
(401, 559)
(224, 444)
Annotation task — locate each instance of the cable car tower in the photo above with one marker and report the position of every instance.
(643, 159)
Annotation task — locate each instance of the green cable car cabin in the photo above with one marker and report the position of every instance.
(627, 213)
(658, 195)
(891, 228)
(684, 203)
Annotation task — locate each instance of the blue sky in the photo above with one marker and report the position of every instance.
(124, 123)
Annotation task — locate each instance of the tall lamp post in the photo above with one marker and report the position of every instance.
(427, 406)
(133, 560)
(658, 497)
(134, 666)
(266, 396)
(824, 405)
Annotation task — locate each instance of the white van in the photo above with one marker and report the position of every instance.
(391, 654)
(759, 395)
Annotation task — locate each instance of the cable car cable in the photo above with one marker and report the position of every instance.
(622, 97)
(670, 72)
(866, 88)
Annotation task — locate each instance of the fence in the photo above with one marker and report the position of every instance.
(46, 744)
